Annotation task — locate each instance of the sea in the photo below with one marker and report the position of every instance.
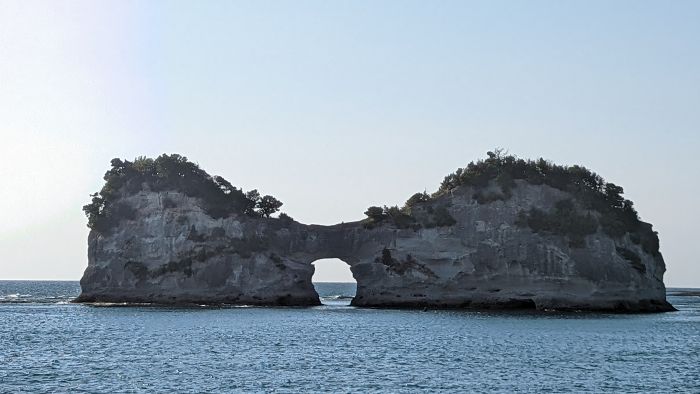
(49, 345)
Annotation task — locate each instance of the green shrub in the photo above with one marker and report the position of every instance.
(376, 214)
(563, 220)
(391, 215)
(267, 205)
(442, 217)
(402, 266)
(170, 172)
(417, 198)
(398, 217)
(485, 197)
(402, 217)
(285, 219)
(618, 216)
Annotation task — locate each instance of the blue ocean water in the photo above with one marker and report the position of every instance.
(49, 345)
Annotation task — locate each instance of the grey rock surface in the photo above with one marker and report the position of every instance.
(173, 252)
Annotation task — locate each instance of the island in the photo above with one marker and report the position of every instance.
(501, 233)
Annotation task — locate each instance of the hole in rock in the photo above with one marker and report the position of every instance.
(334, 282)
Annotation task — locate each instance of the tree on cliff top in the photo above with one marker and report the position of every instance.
(170, 172)
(618, 216)
(394, 215)
(267, 205)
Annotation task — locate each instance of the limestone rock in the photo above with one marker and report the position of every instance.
(171, 251)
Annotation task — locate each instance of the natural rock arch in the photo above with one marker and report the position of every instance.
(180, 254)
(332, 271)
(485, 241)
(333, 282)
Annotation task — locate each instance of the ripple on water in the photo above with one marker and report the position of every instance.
(50, 347)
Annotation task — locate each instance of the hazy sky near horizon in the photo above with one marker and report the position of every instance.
(336, 106)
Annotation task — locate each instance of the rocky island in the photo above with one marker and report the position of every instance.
(502, 232)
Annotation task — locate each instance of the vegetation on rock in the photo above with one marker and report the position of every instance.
(285, 219)
(267, 205)
(563, 220)
(405, 216)
(394, 215)
(417, 199)
(596, 203)
(401, 266)
(617, 214)
(495, 177)
(441, 218)
(170, 172)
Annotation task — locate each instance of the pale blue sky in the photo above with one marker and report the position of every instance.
(335, 106)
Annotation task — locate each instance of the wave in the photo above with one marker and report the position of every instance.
(337, 297)
(17, 298)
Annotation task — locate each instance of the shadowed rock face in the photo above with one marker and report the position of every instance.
(176, 253)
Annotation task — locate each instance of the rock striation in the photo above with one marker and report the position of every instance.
(169, 248)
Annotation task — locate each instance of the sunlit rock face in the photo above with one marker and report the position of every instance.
(171, 251)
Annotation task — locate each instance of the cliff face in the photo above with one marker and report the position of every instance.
(171, 251)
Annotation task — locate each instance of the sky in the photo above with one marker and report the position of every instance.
(335, 106)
